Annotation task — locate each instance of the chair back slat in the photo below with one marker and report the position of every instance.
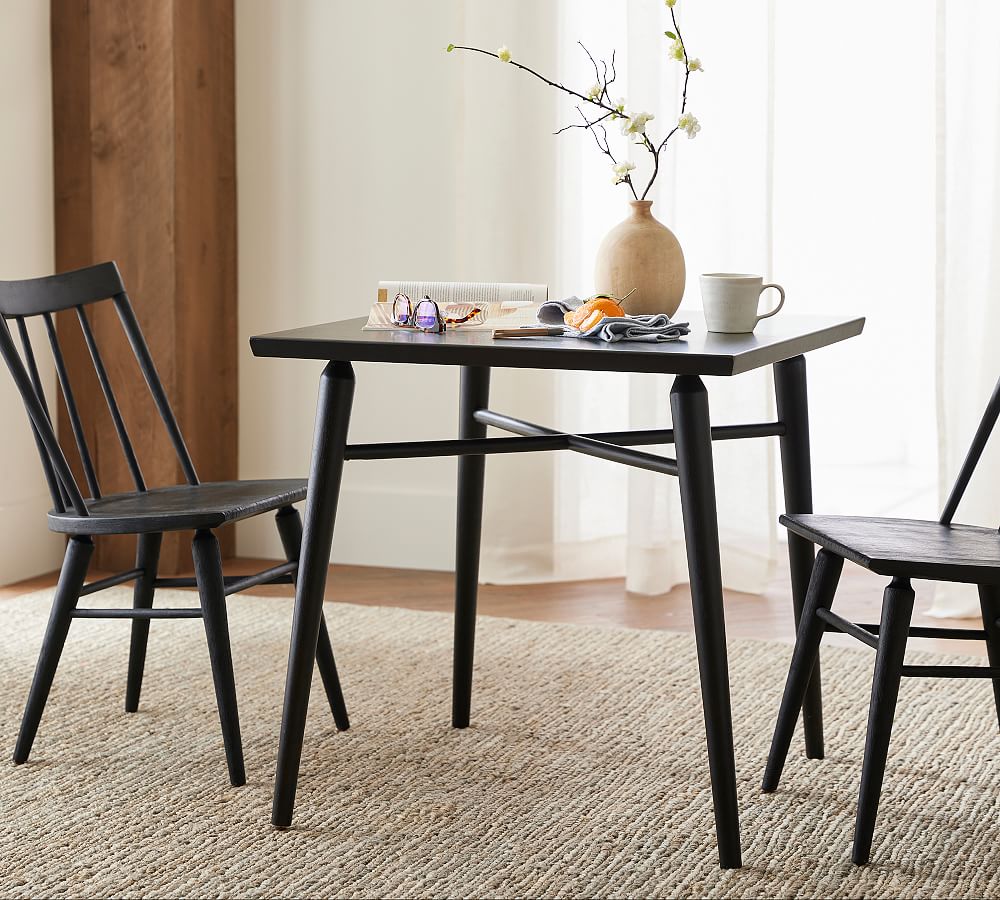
(55, 486)
(109, 396)
(139, 347)
(74, 290)
(986, 426)
(40, 421)
(74, 414)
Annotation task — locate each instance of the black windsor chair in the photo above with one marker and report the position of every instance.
(900, 549)
(145, 512)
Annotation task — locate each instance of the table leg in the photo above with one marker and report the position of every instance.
(474, 394)
(333, 414)
(796, 472)
(693, 443)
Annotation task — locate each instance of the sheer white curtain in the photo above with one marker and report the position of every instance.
(813, 169)
(858, 166)
(715, 194)
(968, 319)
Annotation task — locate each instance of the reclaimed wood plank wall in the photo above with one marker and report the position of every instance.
(145, 174)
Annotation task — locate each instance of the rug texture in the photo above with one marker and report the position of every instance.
(584, 774)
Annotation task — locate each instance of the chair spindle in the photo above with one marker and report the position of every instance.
(109, 396)
(139, 347)
(71, 409)
(972, 458)
(40, 420)
(56, 489)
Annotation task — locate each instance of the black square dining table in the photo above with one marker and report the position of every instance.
(780, 342)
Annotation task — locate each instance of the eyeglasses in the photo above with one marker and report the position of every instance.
(425, 315)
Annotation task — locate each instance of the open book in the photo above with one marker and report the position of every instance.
(500, 305)
(477, 292)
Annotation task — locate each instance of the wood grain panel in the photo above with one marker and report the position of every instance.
(205, 237)
(143, 104)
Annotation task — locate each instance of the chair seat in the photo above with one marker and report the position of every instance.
(180, 507)
(907, 547)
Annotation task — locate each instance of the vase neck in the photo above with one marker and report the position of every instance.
(641, 209)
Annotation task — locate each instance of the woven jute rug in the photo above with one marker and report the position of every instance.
(584, 774)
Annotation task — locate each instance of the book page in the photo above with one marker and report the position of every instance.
(478, 292)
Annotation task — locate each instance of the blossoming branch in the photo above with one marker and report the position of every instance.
(597, 107)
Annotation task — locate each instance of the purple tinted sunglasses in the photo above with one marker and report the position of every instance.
(425, 315)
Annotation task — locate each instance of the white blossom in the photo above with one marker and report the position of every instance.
(689, 124)
(619, 106)
(595, 92)
(621, 171)
(503, 54)
(635, 126)
(676, 51)
(694, 65)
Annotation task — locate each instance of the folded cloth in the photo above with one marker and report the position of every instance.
(651, 329)
(551, 312)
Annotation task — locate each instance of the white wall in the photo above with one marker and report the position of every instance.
(26, 249)
(340, 185)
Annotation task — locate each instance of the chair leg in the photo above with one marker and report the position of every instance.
(897, 609)
(211, 587)
(71, 578)
(822, 587)
(147, 558)
(290, 529)
(989, 601)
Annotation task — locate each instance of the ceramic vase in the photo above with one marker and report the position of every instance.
(641, 253)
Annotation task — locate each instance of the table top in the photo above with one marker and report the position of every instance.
(700, 353)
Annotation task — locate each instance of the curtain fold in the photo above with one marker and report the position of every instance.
(865, 185)
(611, 521)
(968, 258)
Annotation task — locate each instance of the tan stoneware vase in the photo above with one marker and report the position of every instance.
(641, 254)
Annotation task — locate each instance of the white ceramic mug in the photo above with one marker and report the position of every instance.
(731, 301)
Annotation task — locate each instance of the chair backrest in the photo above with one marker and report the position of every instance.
(986, 426)
(21, 300)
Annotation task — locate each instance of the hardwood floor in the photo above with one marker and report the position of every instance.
(604, 602)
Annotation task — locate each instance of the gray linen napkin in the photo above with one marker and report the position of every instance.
(551, 312)
(651, 329)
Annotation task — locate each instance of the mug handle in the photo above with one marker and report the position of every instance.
(781, 302)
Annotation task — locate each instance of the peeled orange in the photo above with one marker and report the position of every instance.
(591, 312)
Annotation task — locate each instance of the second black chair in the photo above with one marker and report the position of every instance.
(145, 512)
(900, 549)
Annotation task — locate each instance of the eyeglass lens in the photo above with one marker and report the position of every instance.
(425, 316)
(401, 309)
